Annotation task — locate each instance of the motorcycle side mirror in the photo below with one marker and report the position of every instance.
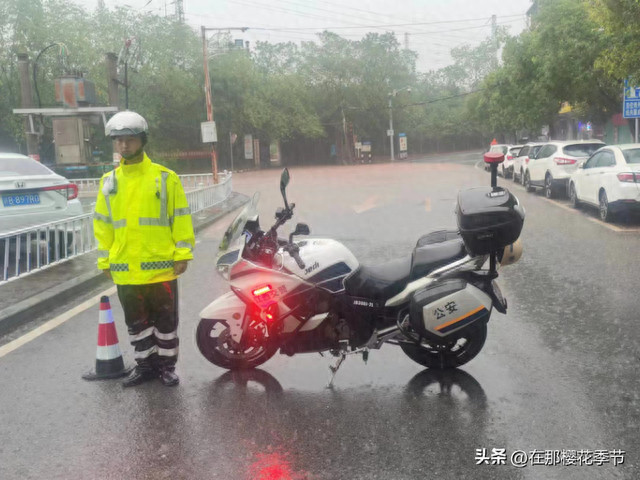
(284, 181)
(301, 229)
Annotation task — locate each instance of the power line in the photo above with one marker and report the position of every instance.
(382, 26)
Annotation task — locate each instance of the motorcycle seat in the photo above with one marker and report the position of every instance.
(379, 282)
(430, 257)
(384, 281)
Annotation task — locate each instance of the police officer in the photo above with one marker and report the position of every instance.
(142, 222)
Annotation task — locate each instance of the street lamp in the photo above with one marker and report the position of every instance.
(391, 132)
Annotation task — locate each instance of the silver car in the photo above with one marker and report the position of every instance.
(32, 194)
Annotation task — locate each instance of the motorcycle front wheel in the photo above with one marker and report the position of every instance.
(214, 341)
(452, 355)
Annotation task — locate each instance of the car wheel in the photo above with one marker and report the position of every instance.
(573, 195)
(605, 210)
(527, 183)
(522, 177)
(514, 177)
(549, 191)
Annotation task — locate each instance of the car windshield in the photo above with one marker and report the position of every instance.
(501, 149)
(582, 149)
(534, 150)
(236, 228)
(632, 156)
(515, 151)
(18, 167)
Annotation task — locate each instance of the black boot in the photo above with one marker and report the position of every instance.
(169, 378)
(136, 377)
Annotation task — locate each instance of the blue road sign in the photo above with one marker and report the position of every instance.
(631, 105)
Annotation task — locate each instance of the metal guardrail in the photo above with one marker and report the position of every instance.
(87, 185)
(30, 249)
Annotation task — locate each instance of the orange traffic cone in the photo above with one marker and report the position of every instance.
(495, 142)
(109, 362)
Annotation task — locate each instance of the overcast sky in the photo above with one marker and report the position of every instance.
(459, 21)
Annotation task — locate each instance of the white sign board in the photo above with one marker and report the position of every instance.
(358, 145)
(389, 133)
(209, 133)
(403, 143)
(366, 147)
(248, 147)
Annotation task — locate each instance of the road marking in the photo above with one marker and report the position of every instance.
(368, 204)
(427, 205)
(51, 324)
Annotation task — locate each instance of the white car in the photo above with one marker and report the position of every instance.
(555, 163)
(502, 148)
(521, 162)
(509, 160)
(32, 194)
(610, 180)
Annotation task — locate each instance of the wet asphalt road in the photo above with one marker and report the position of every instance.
(559, 372)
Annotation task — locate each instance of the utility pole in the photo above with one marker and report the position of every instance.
(494, 35)
(112, 74)
(346, 142)
(27, 102)
(207, 90)
(180, 10)
(390, 132)
(406, 40)
(231, 148)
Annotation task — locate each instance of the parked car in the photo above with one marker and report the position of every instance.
(32, 194)
(555, 163)
(497, 148)
(521, 162)
(609, 180)
(509, 159)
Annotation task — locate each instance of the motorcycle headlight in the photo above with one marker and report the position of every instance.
(224, 271)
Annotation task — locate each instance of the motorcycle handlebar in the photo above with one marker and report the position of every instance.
(287, 214)
(298, 260)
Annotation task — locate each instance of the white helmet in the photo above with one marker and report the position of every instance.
(126, 123)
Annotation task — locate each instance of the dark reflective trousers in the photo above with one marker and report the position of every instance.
(151, 315)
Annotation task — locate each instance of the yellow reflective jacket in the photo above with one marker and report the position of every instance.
(142, 222)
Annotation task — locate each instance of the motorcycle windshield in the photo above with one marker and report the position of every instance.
(234, 234)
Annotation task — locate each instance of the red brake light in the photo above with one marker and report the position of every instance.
(72, 193)
(262, 290)
(564, 161)
(526, 159)
(510, 157)
(629, 177)
(70, 190)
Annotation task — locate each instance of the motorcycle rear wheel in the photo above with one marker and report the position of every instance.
(451, 356)
(223, 352)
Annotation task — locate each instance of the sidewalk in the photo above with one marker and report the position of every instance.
(28, 297)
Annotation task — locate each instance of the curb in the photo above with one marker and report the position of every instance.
(32, 307)
(26, 310)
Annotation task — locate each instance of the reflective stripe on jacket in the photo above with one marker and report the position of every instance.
(142, 222)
